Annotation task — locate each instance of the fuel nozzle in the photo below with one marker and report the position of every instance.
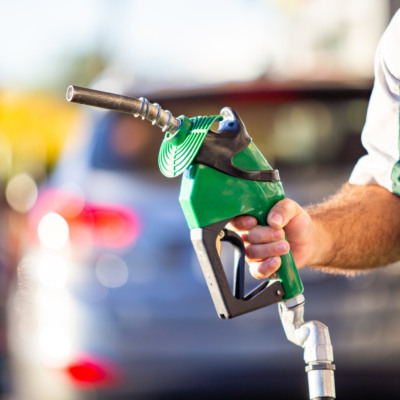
(140, 107)
(183, 136)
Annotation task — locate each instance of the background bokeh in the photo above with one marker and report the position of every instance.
(299, 73)
(156, 45)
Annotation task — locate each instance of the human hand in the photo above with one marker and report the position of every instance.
(265, 244)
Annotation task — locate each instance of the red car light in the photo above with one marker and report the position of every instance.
(115, 227)
(92, 371)
(110, 225)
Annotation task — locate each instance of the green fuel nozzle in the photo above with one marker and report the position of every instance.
(224, 175)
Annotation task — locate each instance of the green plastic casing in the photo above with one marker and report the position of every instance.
(208, 196)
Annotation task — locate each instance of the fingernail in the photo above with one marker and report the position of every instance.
(282, 247)
(273, 262)
(265, 269)
(276, 219)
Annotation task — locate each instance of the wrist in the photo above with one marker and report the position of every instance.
(321, 243)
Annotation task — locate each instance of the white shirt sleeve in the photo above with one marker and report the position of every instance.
(380, 136)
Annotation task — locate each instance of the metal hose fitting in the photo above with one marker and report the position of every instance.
(313, 337)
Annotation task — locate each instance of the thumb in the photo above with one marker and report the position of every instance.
(283, 212)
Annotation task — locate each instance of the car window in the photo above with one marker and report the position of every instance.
(122, 142)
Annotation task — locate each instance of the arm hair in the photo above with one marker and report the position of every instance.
(361, 227)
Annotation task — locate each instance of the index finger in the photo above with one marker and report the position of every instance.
(243, 222)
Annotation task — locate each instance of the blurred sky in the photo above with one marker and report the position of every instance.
(190, 42)
(162, 44)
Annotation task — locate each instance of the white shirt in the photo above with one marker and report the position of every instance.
(380, 136)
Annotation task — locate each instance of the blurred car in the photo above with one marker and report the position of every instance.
(110, 302)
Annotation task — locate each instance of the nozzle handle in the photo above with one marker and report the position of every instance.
(140, 107)
(228, 303)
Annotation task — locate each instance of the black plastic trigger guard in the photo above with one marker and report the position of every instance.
(227, 303)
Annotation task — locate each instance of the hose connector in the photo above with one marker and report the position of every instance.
(313, 337)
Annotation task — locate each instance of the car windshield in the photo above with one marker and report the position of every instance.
(123, 143)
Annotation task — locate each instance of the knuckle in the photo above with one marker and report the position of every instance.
(260, 234)
(260, 251)
(263, 235)
(281, 247)
(285, 206)
(251, 251)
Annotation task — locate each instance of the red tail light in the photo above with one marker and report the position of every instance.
(109, 225)
(92, 371)
(87, 372)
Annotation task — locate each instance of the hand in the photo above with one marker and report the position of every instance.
(265, 244)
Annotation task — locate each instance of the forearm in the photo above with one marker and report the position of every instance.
(355, 230)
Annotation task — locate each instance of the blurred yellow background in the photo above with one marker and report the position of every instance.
(33, 129)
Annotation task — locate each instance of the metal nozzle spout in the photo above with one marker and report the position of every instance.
(138, 107)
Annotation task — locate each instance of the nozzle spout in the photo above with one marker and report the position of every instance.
(138, 107)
